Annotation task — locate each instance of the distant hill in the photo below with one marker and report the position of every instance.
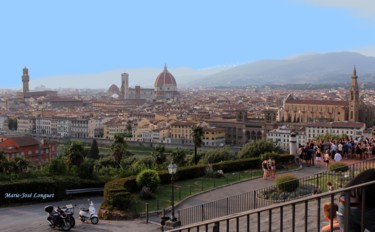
(311, 68)
(315, 68)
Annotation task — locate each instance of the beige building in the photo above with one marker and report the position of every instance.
(296, 110)
(213, 137)
(181, 132)
(114, 126)
(26, 124)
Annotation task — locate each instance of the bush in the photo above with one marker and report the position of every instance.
(273, 155)
(256, 148)
(86, 170)
(148, 178)
(287, 183)
(338, 167)
(146, 194)
(218, 155)
(119, 199)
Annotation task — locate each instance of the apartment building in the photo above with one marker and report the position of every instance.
(26, 124)
(351, 129)
(181, 132)
(214, 137)
(281, 135)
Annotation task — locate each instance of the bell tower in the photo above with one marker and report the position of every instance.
(124, 85)
(354, 98)
(25, 80)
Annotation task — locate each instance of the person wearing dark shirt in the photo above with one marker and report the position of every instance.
(356, 203)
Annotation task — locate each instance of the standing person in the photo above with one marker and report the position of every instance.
(273, 168)
(331, 218)
(333, 149)
(338, 157)
(345, 150)
(269, 165)
(318, 157)
(265, 169)
(356, 199)
(326, 158)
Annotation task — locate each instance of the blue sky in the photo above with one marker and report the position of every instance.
(54, 38)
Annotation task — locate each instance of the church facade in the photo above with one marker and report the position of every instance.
(296, 110)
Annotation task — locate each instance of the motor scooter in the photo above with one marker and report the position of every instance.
(89, 214)
(57, 218)
(69, 211)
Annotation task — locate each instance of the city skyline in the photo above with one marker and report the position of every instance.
(70, 38)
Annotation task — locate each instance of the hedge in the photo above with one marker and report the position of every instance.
(42, 189)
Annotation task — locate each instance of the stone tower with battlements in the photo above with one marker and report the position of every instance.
(25, 80)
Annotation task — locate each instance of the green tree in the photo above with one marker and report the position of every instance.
(218, 155)
(75, 153)
(256, 148)
(148, 178)
(57, 166)
(179, 157)
(197, 134)
(94, 150)
(329, 137)
(118, 148)
(86, 170)
(159, 155)
(21, 164)
(3, 162)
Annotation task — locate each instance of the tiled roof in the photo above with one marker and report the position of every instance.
(317, 102)
(21, 141)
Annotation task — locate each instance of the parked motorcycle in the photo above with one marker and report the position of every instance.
(57, 218)
(69, 211)
(89, 214)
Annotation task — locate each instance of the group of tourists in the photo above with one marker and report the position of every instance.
(269, 168)
(314, 153)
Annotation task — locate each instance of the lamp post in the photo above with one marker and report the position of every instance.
(172, 168)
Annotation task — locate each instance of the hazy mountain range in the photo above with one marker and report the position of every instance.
(311, 68)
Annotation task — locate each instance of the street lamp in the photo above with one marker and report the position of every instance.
(172, 168)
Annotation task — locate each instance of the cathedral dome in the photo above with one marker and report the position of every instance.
(165, 78)
(113, 89)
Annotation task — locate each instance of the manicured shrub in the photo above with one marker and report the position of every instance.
(148, 178)
(119, 199)
(287, 183)
(338, 167)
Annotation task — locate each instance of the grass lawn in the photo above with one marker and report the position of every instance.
(190, 187)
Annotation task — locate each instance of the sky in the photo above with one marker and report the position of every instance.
(54, 38)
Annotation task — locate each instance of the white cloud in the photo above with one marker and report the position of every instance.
(362, 8)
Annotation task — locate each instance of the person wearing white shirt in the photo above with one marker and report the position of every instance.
(338, 157)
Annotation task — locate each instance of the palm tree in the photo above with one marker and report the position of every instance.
(159, 155)
(118, 147)
(197, 134)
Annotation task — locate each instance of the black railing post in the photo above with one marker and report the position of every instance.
(146, 213)
(318, 216)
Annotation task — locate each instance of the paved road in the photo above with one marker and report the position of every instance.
(33, 218)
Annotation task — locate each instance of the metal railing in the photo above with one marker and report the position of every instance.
(303, 214)
(263, 197)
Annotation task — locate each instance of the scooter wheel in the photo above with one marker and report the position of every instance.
(94, 220)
